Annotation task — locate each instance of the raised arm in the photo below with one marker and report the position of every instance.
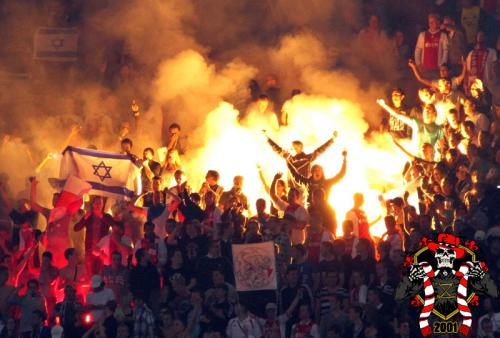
(277, 149)
(172, 142)
(82, 223)
(418, 75)
(267, 188)
(335, 179)
(321, 149)
(460, 78)
(410, 155)
(280, 204)
(406, 120)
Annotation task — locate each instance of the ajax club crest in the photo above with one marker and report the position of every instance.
(445, 279)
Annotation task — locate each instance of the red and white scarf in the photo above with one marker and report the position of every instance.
(478, 62)
(429, 299)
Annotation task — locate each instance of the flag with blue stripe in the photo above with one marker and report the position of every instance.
(110, 174)
(56, 44)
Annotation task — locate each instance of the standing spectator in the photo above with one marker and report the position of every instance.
(212, 216)
(359, 289)
(235, 194)
(178, 266)
(481, 61)
(306, 327)
(73, 273)
(211, 184)
(431, 50)
(126, 148)
(175, 140)
(68, 309)
(98, 297)
(29, 303)
(116, 277)
(357, 216)
(423, 131)
(315, 237)
(294, 211)
(110, 324)
(96, 224)
(320, 205)
(153, 245)
(289, 292)
(457, 43)
(274, 326)
(212, 261)
(393, 125)
(243, 325)
(48, 277)
(115, 241)
(57, 231)
(144, 321)
(150, 169)
(217, 280)
(317, 180)
(38, 328)
(144, 276)
(300, 161)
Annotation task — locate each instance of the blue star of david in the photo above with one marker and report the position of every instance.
(98, 171)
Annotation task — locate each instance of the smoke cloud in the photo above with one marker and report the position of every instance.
(190, 61)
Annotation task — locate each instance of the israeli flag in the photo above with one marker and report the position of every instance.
(56, 44)
(110, 174)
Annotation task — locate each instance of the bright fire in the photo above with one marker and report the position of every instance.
(235, 148)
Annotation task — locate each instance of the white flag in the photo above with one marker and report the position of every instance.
(56, 44)
(255, 266)
(110, 174)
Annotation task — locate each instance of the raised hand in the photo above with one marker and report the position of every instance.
(476, 271)
(278, 176)
(381, 102)
(416, 273)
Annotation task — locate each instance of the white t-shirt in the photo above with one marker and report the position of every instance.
(99, 298)
(297, 236)
(236, 328)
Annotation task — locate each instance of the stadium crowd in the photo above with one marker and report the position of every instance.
(136, 274)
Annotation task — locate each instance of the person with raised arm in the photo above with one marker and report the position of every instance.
(293, 211)
(444, 73)
(317, 179)
(425, 131)
(56, 236)
(97, 225)
(300, 161)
